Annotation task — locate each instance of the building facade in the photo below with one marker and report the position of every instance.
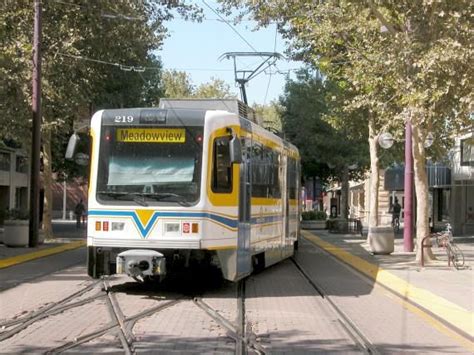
(13, 179)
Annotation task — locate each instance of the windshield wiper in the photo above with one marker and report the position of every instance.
(120, 195)
(158, 196)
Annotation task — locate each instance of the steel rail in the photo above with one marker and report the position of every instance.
(349, 326)
(128, 322)
(116, 313)
(237, 333)
(52, 309)
(241, 346)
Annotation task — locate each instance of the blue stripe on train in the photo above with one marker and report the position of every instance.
(144, 230)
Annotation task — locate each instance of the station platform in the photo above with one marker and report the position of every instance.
(66, 237)
(437, 291)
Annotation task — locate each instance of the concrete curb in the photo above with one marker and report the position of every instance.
(19, 259)
(454, 315)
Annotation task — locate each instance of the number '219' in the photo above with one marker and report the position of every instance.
(123, 119)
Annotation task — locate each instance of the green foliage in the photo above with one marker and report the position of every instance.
(313, 215)
(306, 123)
(215, 89)
(178, 85)
(386, 56)
(88, 52)
(271, 115)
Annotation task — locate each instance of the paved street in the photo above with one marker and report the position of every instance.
(284, 313)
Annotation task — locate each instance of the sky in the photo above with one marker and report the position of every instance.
(196, 47)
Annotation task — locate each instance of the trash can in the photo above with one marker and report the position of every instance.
(381, 239)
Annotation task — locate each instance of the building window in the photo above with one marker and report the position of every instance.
(5, 161)
(222, 166)
(21, 164)
(467, 152)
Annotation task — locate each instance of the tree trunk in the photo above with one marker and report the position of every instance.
(421, 190)
(345, 192)
(47, 183)
(374, 176)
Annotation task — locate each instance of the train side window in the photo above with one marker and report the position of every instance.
(222, 167)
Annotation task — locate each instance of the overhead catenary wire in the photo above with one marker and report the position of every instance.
(271, 73)
(126, 67)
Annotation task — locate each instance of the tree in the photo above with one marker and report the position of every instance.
(404, 60)
(177, 84)
(216, 89)
(270, 115)
(93, 54)
(309, 121)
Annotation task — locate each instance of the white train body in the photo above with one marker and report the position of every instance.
(163, 188)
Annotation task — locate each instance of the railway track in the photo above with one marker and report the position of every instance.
(239, 332)
(354, 332)
(54, 308)
(122, 326)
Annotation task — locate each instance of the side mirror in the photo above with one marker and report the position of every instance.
(235, 150)
(72, 146)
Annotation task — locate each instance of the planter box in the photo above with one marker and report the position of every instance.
(313, 224)
(381, 240)
(16, 233)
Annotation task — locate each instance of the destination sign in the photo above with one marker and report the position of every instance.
(151, 135)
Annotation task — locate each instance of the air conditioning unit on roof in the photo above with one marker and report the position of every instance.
(230, 105)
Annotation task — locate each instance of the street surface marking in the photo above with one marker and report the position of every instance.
(40, 254)
(450, 312)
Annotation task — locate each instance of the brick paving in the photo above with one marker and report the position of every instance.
(287, 315)
(182, 328)
(392, 325)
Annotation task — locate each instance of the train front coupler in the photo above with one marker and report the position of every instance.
(141, 264)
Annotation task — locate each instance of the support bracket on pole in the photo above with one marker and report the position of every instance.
(243, 76)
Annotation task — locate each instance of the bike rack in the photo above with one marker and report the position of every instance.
(423, 246)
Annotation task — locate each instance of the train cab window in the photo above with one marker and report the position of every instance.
(222, 167)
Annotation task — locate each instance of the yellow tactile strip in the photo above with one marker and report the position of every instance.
(450, 312)
(7, 262)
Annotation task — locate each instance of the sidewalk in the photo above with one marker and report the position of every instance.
(442, 291)
(66, 237)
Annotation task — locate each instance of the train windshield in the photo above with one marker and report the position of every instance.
(149, 165)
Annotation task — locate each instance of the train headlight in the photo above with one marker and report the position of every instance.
(171, 227)
(118, 226)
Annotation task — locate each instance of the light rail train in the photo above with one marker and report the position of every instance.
(192, 183)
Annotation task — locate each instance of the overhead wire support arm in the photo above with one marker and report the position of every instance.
(242, 77)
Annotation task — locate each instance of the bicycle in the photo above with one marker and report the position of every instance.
(396, 224)
(445, 239)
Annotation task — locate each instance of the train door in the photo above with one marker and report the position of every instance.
(244, 265)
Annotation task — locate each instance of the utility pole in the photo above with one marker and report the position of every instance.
(408, 185)
(36, 131)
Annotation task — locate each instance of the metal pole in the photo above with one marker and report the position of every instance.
(64, 198)
(408, 187)
(36, 130)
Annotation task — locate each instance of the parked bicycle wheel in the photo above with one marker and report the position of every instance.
(456, 255)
